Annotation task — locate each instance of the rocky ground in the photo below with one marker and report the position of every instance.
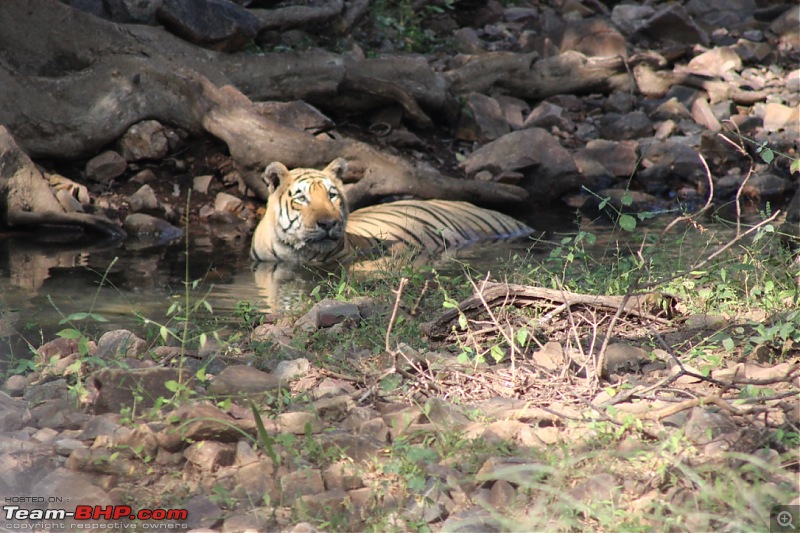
(721, 83)
(303, 421)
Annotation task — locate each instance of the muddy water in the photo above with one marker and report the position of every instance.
(42, 283)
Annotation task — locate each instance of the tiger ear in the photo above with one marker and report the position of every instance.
(274, 174)
(337, 167)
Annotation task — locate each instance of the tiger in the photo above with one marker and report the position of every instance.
(307, 221)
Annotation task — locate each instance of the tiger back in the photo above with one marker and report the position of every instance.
(429, 225)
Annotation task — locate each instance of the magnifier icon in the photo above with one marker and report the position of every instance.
(784, 519)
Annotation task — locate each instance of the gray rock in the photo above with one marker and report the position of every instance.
(703, 115)
(629, 17)
(685, 95)
(118, 344)
(619, 158)
(228, 203)
(77, 486)
(679, 158)
(288, 370)
(633, 125)
(120, 388)
(547, 115)
(251, 521)
(467, 41)
(598, 488)
(550, 357)
(14, 414)
(713, 12)
(715, 62)
(144, 140)
(787, 22)
(622, 357)
(301, 482)
(548, 167)
(780, 117)
(481, 120)
(217, 24)
(328, 312)
(144, 225)
(203, 513)
(105, 424)
(299, 423)
(704, 426)
(209, 455)
(24, 465)
(618, 102)
(593, 37)
(200, 183)
(105, 167)
(15, 385)
(143, 200)
(50, 390)
(766, 186)
(673, 23)
(196, 421)
(256, 480)
(242, 379)
(671, 108)
(66, 446)
(132, 11)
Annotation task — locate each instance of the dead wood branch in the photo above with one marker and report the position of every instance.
(497, 294)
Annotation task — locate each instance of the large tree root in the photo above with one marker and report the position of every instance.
(26, 199)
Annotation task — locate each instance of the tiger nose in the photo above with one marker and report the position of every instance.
(328, 224)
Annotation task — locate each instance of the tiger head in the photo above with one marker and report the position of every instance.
(306, 215)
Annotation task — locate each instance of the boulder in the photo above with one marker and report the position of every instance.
(548, 167)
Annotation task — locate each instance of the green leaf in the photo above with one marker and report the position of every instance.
(264, 439)
(627, 198)
(77, 316)
(203, 339)
(69, 333)
(97, 318)
(522, 336)
(795, 166)
(172, 385)
(627, 222)
(207, 305)
(603, 204)
(164, 333)
(462, 321)
(497, 353)
(728, 344)
(767, 155)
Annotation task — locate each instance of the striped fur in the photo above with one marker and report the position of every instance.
(312, 232)
(430, 225)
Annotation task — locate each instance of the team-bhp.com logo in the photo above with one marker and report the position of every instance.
(157, 518)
